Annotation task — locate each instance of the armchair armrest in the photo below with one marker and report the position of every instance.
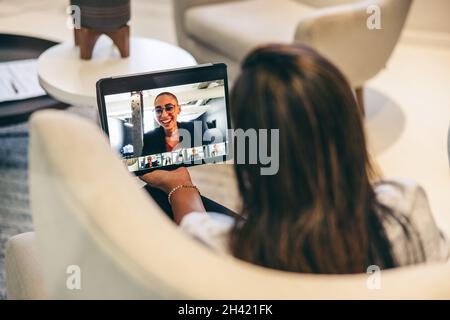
(179, 9)
(341, 34)
(24, 279)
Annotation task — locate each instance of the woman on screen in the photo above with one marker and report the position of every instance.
(322, 212)
(167, 136)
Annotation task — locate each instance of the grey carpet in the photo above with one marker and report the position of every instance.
(15, 216)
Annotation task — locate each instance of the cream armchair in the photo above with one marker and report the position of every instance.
(225, 30)
(95, 227)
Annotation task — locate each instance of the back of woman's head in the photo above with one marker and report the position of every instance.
(318, 213)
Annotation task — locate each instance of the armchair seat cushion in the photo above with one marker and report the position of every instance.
(234, 28)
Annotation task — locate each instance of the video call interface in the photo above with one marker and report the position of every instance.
(176, 125)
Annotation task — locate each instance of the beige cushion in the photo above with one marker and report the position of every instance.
(24, 277)
(228, 29)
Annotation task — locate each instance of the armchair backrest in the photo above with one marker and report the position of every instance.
(341, 34)
(96, 227)
(179, 8)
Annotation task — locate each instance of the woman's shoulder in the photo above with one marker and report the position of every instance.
(402, 195)
(409, 211)
(158, 131)
(212, 229)
(407, 204)
(187, 125)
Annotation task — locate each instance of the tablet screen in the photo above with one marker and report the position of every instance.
(168, 126)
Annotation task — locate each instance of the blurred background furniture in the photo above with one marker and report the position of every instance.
(226, 30)
(127, 248)
(72, 80)
(102, 17)
(19, 47)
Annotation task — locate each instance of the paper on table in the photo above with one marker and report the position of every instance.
(19, 80)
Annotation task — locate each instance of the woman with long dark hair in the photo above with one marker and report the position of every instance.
(322, 212)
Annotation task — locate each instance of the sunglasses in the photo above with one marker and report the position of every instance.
(168, 107)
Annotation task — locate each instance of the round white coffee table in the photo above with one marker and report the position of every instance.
(71, 80)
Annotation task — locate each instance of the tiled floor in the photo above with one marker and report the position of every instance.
(408, 112)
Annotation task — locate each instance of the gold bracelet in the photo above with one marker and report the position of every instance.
(180, 187)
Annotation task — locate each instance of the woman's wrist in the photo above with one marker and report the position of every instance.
(181, 188)
(184, 201)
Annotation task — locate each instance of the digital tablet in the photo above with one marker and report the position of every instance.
(167, 119)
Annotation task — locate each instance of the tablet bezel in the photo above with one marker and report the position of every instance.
(161, 79)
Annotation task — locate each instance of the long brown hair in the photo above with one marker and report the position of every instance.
(319, 213)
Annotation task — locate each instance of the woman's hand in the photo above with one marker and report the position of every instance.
(183, 201)
(167, 180)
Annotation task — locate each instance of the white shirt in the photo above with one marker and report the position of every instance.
(407, 200)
